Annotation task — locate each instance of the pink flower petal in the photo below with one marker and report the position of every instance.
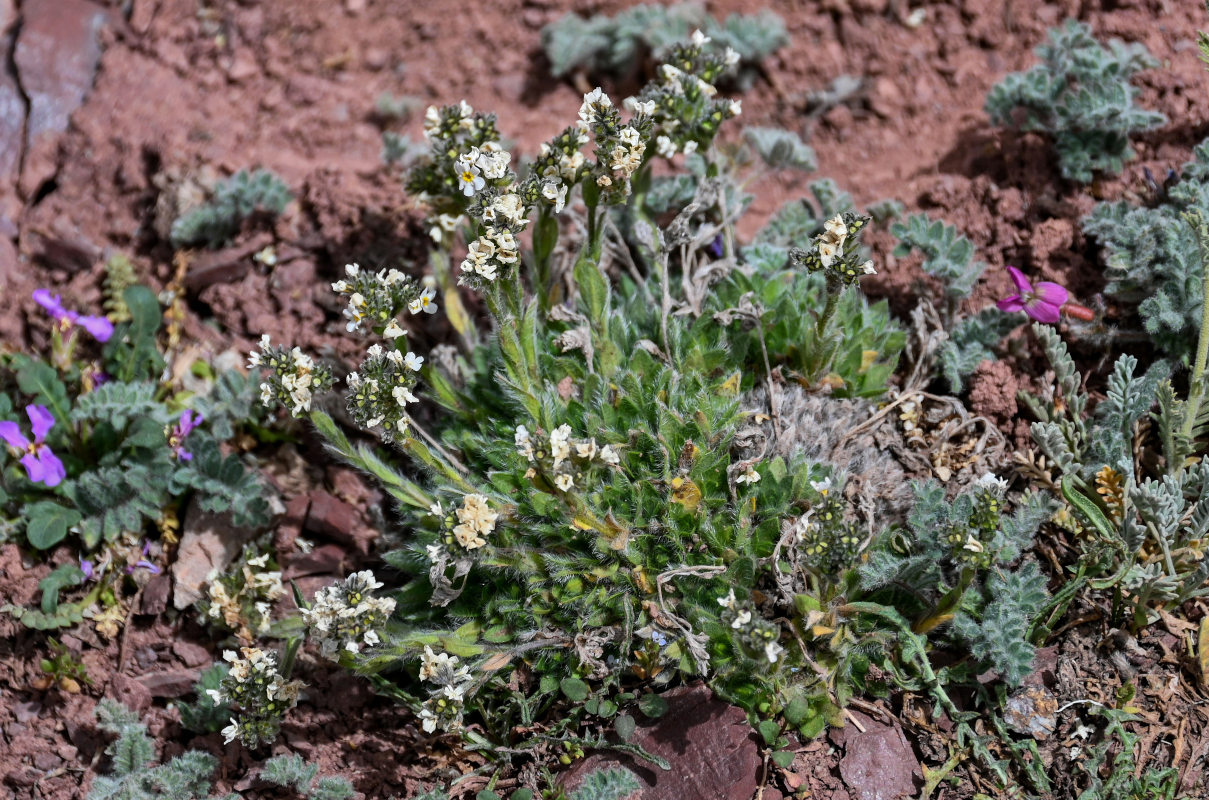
(1023, 285)
(11, 433)
(1042, 311)
(41, 419)
(1013, 303)
(1051, 293)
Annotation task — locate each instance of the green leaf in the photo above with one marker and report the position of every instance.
(624, 725)
(574, 689)
(652, 705)
(769, 730)
(41, 381)
(64, 577)
(796, 712)
(1088, 510)
(47, 523)
(782, 758)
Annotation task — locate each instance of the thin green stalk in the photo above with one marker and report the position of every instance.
(1196, 384)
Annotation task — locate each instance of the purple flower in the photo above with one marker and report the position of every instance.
(87, 568)
(100, 327)
(143, 562)
(42, 465)
(1042, 302)
(189, 420)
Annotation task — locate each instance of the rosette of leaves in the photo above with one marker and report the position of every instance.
(236, 200)
(1080, 94)
(614, 45)
(1153, 257)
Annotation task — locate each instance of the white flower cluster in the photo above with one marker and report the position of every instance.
(444, 707)
(294, 379)
(376, 298)
(243, 601)
(480, 164)
(560, 458)
(495, 248)
(381, 389)
(345, 616)
(754, 634)
(436, 120)
(258, 693)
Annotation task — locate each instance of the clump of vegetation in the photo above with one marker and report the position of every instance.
(133, 776)
(613, 45)
(96, 447)
(236, 200)
(1082, 97)
(591, 502)
(1154, 256)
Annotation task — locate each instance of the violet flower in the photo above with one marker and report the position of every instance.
(143, 562)
(1042, 302)
(100, 327)
(189, 420)
(40, 463)
(87, 568)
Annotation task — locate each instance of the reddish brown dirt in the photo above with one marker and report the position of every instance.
(185, 88)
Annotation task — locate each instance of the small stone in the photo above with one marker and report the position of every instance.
(46, 761)
(129, 693)
(193, 655)
(145, 657)
(155, 596)
(27, 711)
(722, 763)
(170, 683)
(226, 265)
(209, 544)
(335, 519)
(326, 559)
(22, 776)
(878, 763)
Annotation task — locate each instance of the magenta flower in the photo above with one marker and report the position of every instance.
(190, 419)
(42, 465)
(100, 327)
(1042, 302)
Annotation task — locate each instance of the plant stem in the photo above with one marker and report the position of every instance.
(1196, 384)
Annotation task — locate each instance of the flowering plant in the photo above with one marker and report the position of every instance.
(109, 451)
(593, 506)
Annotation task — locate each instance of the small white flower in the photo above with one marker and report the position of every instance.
(728, 601)
(215, 695)
(742, 618)
(973, 545)
(736, 108)
(867, 268)
(699, 39)
(609, 456)
(413, 361)
(731, 57)
(428, 720)
(403, 396)
(424, 302)
(749, 477)
(586, 449)
(393, 330)
(593, 99)
(374, 351)
(822, 487)
(564, 482)
(772, 651)
(665, 147)
(470, 180)
(434, 552)
(231, 732)
(690, 147)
